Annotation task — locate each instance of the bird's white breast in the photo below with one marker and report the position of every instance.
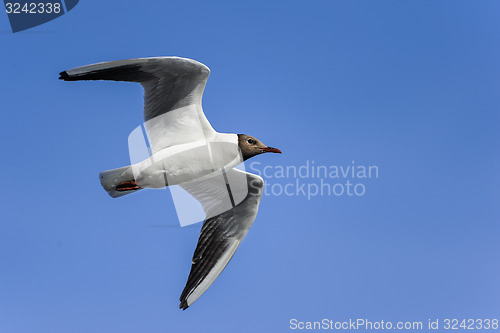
(186, 162)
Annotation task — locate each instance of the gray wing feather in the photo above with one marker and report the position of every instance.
(219, 237)
(169, 82)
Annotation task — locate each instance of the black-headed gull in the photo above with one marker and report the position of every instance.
(185, 150)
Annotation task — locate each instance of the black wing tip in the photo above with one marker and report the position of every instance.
(64, 76)
(183, 305)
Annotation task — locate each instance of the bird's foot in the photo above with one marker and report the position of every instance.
(127, 186)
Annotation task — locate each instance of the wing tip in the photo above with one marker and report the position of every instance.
(183, 305)
(64, 76)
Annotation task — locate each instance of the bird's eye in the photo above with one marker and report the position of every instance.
(251, 141)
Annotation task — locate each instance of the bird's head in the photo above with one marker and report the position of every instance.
(251, 147)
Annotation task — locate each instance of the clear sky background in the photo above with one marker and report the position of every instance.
(411, 87)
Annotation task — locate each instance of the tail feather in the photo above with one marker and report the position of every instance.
(119, 182)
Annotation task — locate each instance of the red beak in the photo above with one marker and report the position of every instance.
(271, 150)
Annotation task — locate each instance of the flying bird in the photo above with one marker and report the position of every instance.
(185, 150)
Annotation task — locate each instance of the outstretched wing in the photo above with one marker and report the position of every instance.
(173, 88)
(220, 234)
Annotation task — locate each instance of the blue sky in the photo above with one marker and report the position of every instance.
(408, 86)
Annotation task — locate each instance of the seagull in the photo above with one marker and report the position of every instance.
(185, 150)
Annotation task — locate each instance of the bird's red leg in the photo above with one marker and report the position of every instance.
(127, 186)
